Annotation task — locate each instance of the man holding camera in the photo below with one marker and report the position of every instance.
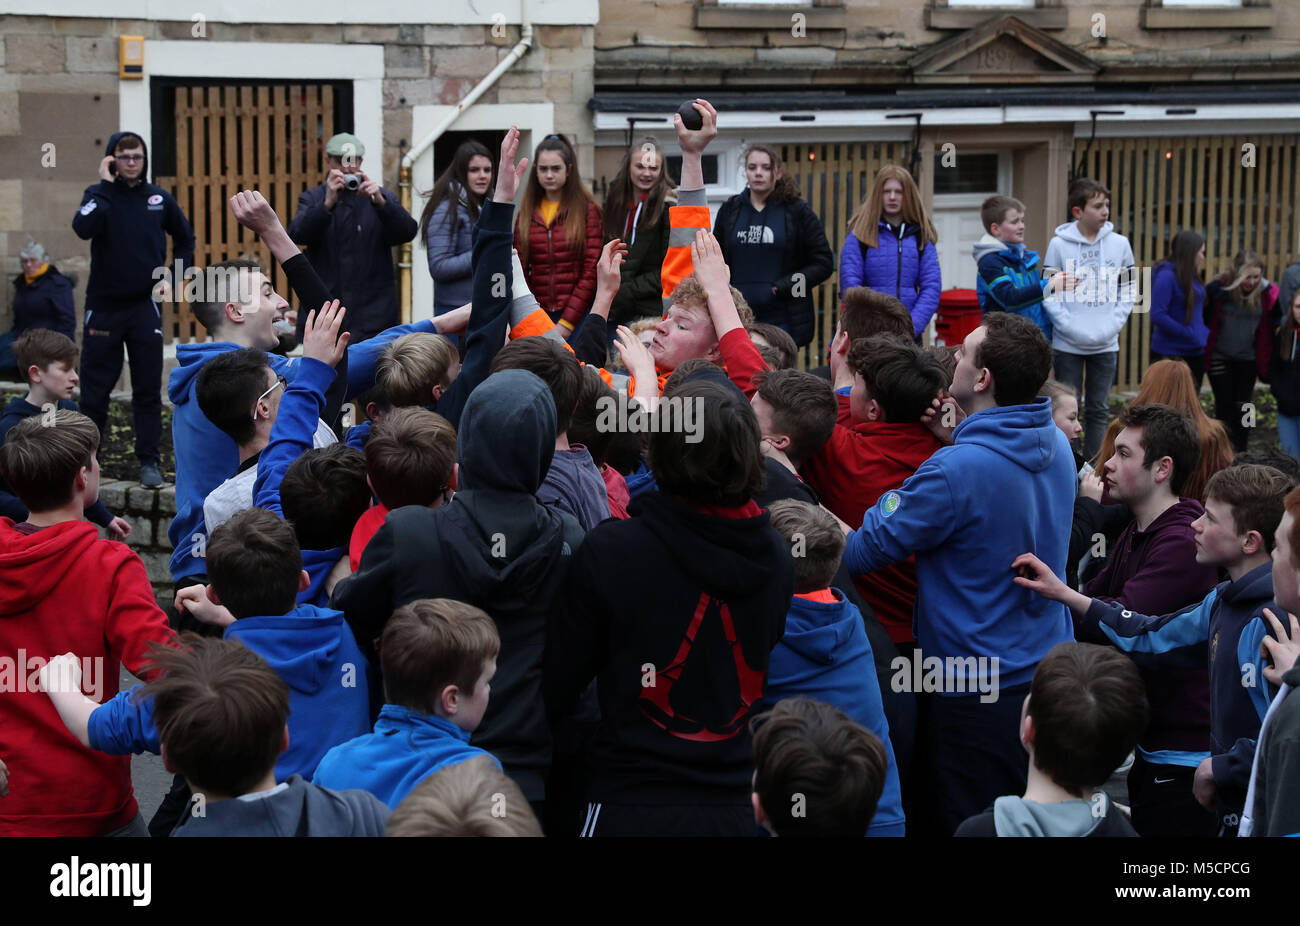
(349, 225)
(127, 220)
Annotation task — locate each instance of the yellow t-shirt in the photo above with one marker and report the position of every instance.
(548, 211)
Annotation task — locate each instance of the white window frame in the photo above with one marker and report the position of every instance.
(304, 61)
(535, 121)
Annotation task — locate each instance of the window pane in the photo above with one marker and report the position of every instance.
(709, 163)
(972, 173)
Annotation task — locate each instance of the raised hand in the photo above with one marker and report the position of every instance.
(609, 268)
(321, 339)
(710, 267)
(696, 140)
(252, 211)
(1090, 486)
(1281, 652)
(509, 174)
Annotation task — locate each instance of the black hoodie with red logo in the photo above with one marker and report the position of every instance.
(674, 612)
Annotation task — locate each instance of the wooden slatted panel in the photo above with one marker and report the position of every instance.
(1160, 186)
(835, 178)
(240, 137)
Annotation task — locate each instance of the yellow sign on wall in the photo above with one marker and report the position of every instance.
(130, 57)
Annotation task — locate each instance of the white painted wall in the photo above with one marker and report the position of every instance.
(362, 64)
(535, 121)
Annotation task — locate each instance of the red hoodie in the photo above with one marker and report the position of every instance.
(861, 462)
(62, 589)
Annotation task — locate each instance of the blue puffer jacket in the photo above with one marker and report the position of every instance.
(901, 268)
(1171, 335)
(449, 243)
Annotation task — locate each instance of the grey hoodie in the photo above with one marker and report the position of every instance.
(1088, 319)
(293, 808)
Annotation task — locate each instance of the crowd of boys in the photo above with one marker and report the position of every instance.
(782, 606)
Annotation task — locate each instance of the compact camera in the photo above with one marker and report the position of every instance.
(352, 182)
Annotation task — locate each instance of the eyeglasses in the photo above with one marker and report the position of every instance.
(129, 157)
(279, 381)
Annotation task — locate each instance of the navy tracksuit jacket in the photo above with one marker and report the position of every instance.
(127, 227)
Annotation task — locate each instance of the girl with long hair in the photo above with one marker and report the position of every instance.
(1241, 315)
(774, 244)
(1178, 329)
(558, 234)
(892, 246)
(636, 212)
(1284, 378)
(447, 224)
(1170, 382)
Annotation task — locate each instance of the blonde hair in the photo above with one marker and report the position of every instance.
(412, 365)
(470, 798)
(1055, 391)
(690, 293)
(866, 224)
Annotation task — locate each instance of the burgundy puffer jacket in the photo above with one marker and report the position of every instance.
(563, 278)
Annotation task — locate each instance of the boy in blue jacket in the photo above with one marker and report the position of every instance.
(217, 715)
(1010, 278)
(1006, 483)
(438, 658)
(1244, 505)
(244, 313)
(48, 361)
(824, 653)
(257, 574)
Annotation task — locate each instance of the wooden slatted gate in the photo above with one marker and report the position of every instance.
(835, 178)
(232, 137)
(1237, 191)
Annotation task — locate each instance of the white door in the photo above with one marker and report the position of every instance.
(960, 188)
(957, 222)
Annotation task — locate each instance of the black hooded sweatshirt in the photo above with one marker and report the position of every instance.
(495, 547)
(674, 612)
(127, 227)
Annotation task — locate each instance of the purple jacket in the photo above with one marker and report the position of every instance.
(1155, 572)
(899, 268)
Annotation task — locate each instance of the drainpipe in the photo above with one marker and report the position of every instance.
(404, 172)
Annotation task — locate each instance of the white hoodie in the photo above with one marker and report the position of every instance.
(1088, 319)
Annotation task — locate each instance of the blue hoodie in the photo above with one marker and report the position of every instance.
(406, 748)
(291, 437)
(1005, 487)
(207, 457)
(312, 649)
(825, 655)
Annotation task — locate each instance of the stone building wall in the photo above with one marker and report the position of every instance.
(59, 85)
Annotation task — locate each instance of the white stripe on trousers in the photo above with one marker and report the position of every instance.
(589, 827)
